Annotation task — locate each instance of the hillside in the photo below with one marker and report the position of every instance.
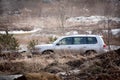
(30, 14)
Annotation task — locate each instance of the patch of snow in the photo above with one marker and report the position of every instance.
(21, 32)
(44, 35)
(23, 48)
(71, 33)
(114, 31)
(91, 19)
(9, 77)
(76, 71)
(89, 32)
(113, 47)
(115, 19)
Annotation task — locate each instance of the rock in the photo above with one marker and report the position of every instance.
(118, 51)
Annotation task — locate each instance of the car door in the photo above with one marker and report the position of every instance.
(64, 45)
(79, 45)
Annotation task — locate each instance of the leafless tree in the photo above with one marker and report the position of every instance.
(62, 12)
(110, 10)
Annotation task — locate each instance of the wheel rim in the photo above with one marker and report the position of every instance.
(47, 52)
(88, 53)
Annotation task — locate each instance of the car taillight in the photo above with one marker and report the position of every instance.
(104, 46)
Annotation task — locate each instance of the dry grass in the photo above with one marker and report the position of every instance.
(38, 76)
(36, 63)
(26, 38)
(101, 66)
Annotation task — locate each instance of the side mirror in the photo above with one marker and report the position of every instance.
(58, 44)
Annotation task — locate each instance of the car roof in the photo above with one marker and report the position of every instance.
(82, 35)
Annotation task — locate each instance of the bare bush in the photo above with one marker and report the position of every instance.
(31, 45)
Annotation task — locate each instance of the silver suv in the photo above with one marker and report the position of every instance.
(74, 44)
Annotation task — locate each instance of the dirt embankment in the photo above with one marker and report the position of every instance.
(101, 67)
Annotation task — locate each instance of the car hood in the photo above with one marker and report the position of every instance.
(44, 45)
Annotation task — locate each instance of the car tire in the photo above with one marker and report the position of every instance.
(90, 52)
(48, 52)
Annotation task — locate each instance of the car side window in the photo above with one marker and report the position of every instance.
(79, 40)
(66, 41)
(91, 40)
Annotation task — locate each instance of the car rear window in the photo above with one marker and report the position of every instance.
(91, 40)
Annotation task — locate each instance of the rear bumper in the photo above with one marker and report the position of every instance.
(104, 51)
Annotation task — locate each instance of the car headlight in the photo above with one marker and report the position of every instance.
(37, 49)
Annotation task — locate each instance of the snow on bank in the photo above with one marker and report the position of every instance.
(91, 19)
(114, 47)
(9, 77)
(71, 33)
(114, 31)
(21, 32)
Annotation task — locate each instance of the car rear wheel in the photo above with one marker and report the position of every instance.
(48, 52)
(90, 52)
